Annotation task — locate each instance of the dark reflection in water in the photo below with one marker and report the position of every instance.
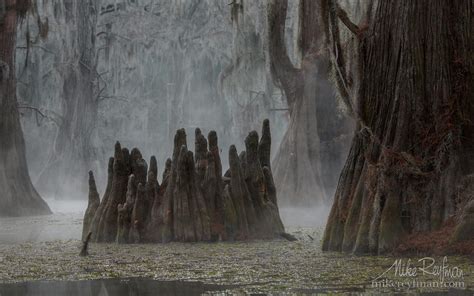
(146, 286)
(109, 287)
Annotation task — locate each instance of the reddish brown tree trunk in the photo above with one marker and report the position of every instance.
(18, 197)
(414, 144)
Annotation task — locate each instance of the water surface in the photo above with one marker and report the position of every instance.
(102, 287)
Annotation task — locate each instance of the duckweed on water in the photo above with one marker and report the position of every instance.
(256, 266)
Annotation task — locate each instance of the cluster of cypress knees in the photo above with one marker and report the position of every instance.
(194, 201)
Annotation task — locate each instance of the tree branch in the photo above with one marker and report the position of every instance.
(337, 57)
(342, 14)
(38, 111)
(38, 46)
(282, 69)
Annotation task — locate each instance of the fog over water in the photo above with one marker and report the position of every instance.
(317, 186)
(66, 222)
(160, 66)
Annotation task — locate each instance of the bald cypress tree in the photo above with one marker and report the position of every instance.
(18, 197)
(412, 152)
(303, 163)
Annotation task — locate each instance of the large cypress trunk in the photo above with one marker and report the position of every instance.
(301, 167)
(412, 151)
(18, 197)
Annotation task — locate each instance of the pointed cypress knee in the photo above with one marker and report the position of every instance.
(210, 183)
(213, 198)
(217, 215)
(195, 228)
(167, 171)
(200, 150)
(264, 146)
(254, 171)
(139, 166)
(155, 227)
(256, 185)
(200, 215)
(152, 188)
(179, 140)
(125, 212)
(118, 193)
(98, 220)
(236, 192)
(137, 231)
(92, 206)
(168, 200)
(166, 212)
(194, 201)
(153, 166)
(243, 164)
(181, 214)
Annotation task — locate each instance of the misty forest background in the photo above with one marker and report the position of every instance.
(370, 103)
(136, 71)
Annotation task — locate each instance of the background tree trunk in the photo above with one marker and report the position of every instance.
(414, 144)
(73, 153)
(303, 172)
(18, 197)
(246, 84)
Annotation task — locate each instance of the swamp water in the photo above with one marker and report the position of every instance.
(39, 256)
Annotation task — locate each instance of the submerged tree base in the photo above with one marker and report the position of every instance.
(194, 202)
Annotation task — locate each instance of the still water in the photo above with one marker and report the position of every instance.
(147, 286)
(105, 287)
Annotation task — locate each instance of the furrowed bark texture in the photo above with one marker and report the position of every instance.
(412, 154)
(18, 197)
(194, 201)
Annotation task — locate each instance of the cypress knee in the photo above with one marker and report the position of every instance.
(137, 231)
(117, 194)
(92, 206)
(97, 227)
(194, 201)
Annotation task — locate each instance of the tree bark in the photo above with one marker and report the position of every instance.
(414, 143)
(18, 197)
(92, 206)
(192, 203)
